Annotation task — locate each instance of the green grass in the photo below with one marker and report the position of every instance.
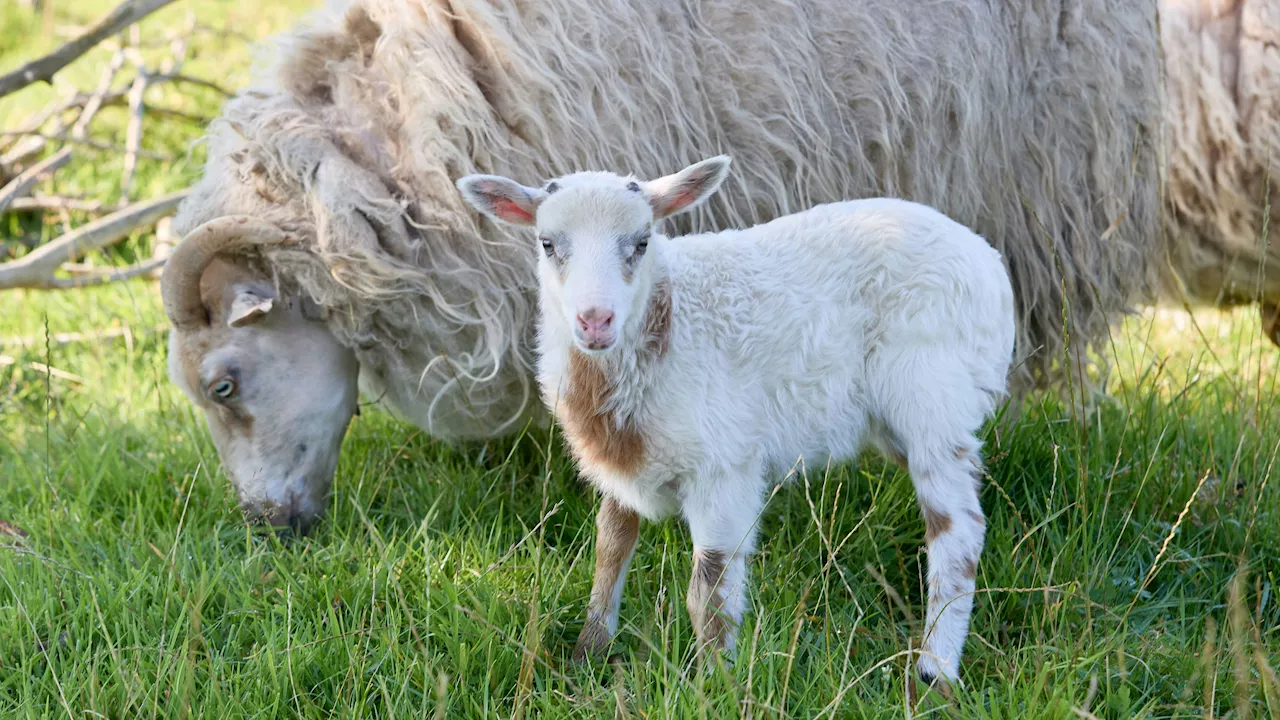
(450, 582)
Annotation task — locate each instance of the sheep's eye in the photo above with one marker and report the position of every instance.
(224, 388)
(548, 247)
(641, 245)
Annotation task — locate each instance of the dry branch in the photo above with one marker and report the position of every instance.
(37, 268)
(43, 69)
(55, 202)
(103, 277)
(38, 341)
(133, 134)
(25, 149)
(94, 103)
(23, 184)
(95, 144)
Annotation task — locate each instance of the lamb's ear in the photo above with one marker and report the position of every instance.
(686, 189)
(504, 199)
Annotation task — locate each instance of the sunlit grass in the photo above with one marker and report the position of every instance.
(138, 591)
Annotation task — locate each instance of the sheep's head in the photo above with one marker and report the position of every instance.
(276, 387)
(594, 229)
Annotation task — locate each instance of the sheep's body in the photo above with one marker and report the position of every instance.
(1041, 124)
(689, 374)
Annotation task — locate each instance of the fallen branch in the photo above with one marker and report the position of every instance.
(43, 69)
(91, 107)
(6, 360)
(104, 277)
(133, 133)
(38, 341)
(95, 144)
(23, 184)
(198, 82)
(54, 202)
(22, 151)
(36, 269)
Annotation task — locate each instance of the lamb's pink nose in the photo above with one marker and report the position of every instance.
(596, 325)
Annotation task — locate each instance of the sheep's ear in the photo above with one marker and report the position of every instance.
(248, 307)
(504, 199)
(686, 189)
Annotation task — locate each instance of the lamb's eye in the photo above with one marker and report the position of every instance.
(224, 388)
(548, 247)
(641, 245)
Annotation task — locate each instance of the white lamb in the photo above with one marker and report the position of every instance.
(687, 373)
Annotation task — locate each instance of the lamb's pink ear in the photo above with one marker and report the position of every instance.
(686, 189)
(504, 199)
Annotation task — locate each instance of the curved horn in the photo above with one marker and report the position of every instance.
(180, 282)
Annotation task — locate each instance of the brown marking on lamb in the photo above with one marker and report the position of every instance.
(935, 524)
(977, 518)
(594, 433)
(970, 568)
(617, 530)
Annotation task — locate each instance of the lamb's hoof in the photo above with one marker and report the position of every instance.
(593, 643)
(931, 681)
(1271, 321)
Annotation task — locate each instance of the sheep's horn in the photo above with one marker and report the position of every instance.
(180, 283)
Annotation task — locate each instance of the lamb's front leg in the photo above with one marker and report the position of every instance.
(722, 515)
(617, 529)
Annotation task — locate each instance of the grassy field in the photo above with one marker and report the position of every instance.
(1130, 570)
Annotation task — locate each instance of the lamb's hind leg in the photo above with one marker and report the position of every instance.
(947, 490)
(932, 411)
(617, 530)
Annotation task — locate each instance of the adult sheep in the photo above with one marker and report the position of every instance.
(326, 234)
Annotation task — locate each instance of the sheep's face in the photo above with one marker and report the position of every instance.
(277, 390)
(593, 233)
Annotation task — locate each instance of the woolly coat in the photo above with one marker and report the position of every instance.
(1038, 124)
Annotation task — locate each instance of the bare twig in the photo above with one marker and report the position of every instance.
(43, 69)
(23, 184)
(95, 101)
(37, 121)
(163, 244)
(199, 82)
(32, 341)
(23, 150)
(41, 367)
(36, 269)
(95, 144)
(104, 277)
(133, 133)
(54, 202)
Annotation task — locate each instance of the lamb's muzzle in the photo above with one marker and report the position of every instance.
(876, 322)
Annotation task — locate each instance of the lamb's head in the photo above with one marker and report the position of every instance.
(594, 231)
(277, 389)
